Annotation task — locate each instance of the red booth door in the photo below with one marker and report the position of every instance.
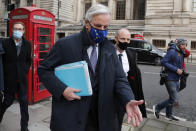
(43, 41)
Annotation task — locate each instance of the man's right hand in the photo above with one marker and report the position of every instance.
(69, 94)
(179, 72)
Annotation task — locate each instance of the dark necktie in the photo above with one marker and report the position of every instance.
(18, 49)
(120, 58)
(93, 58)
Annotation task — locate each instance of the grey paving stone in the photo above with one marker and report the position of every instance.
(14, 108)
(10, 122)
(156, 124)
(38, 127)
(150, 128)
(125, 127)
(191, 129)
(172, 127)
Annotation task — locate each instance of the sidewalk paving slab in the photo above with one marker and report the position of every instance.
(40, 112)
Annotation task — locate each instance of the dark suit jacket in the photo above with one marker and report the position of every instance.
(72, 115)
(15, 67)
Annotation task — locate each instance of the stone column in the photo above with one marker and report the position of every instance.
(111, 7)
(2, 9)
(131, 9)
(177, 5)
(93, 2)
(79, 12)
(23, 3)
(128, 10)
(186, 5)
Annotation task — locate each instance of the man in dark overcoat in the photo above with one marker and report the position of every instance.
(16, 64)
(127, 58)
(71, 112)
(1, 72)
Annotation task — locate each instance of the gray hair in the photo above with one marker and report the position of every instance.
(97, 9)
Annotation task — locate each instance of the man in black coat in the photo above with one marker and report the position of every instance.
(16, 64)
(71, 112)
(128, 61)
(1, 72)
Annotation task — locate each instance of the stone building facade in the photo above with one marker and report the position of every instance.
(159, 21)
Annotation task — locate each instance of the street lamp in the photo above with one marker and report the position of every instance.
(10, 7)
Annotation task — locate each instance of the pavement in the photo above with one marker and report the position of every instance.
(41, 111)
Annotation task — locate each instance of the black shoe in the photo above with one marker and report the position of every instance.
(170, 118)
(156, 112)
(24, 129)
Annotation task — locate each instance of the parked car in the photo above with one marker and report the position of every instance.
(146, 52)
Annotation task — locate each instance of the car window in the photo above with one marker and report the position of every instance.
(136, 44)
(146, 46)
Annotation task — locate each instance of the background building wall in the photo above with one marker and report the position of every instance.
(158, 20)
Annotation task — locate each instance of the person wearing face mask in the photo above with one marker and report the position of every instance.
(128, 60)
(16, 64)
(71, 112)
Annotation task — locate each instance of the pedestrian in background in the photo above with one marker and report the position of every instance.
(71, 112)
(16, 64)
(128, 60)
(172, 62)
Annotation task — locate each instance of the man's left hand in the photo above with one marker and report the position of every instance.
(133, 112)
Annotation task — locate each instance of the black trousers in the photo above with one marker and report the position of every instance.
(1, 97)
(8, 101)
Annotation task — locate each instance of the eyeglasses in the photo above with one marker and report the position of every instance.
(99, 26)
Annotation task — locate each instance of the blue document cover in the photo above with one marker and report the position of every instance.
(75, 75)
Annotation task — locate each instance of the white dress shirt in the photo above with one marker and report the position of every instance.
(125, 61)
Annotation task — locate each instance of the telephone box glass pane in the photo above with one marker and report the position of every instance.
(43, 47)
(41, 87)
(44, 39)
(44, 31)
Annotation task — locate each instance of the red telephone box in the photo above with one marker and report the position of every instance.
(39, 30)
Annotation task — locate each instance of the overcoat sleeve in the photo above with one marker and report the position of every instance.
(46, 72)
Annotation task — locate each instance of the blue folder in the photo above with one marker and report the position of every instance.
(75, 75)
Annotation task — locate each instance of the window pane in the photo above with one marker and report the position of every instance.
(44, 39)
(43, 47)
(120, 10)
(193, 45)
(44, 31)
(139, 9)
(159, 43)
(104, 3)
(87, 6)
